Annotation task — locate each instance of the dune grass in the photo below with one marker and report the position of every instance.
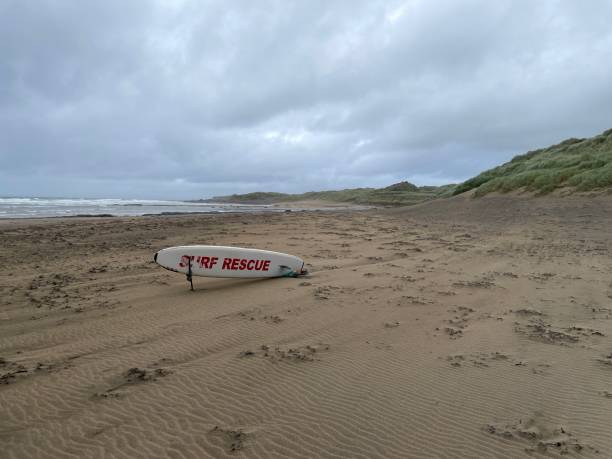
(399, 194)
(583, 164)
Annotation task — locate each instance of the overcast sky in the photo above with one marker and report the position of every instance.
(186, 99)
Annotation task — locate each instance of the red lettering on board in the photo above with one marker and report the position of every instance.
(238, 264)
(185, 260)
(204, 262)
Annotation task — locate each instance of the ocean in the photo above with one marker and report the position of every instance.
(68, 207)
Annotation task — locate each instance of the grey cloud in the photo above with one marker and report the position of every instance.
(189, 99)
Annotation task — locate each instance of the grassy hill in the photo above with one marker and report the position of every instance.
(583, 164)
(399, 194)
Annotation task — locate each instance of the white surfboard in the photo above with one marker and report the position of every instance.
(220, 261)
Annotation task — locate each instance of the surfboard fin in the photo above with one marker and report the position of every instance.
(291, 273)
(190, 275)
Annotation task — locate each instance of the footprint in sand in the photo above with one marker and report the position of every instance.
(131, 377)
(459, 322)
(538, 330)
(606, 360)
(11, 372)
(540, 436)
(306, 353)
(233, 439)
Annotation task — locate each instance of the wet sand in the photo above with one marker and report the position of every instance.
(456, 328)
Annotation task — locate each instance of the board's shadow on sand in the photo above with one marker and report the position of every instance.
(216, 285)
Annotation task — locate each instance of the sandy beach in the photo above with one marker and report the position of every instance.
(457, 328)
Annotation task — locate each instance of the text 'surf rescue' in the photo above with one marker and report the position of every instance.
(231, 264)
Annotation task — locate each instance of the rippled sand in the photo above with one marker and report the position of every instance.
(458, 328)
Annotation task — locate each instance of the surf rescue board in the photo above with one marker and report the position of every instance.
(220, 261)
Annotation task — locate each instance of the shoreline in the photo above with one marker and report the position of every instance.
(302, 206)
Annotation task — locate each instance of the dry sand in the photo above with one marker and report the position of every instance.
(459, 328)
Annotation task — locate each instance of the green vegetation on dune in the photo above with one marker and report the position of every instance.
(583, 164)
(399, 194)
(256, 197)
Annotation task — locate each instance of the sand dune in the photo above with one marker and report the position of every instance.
(457, 328)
